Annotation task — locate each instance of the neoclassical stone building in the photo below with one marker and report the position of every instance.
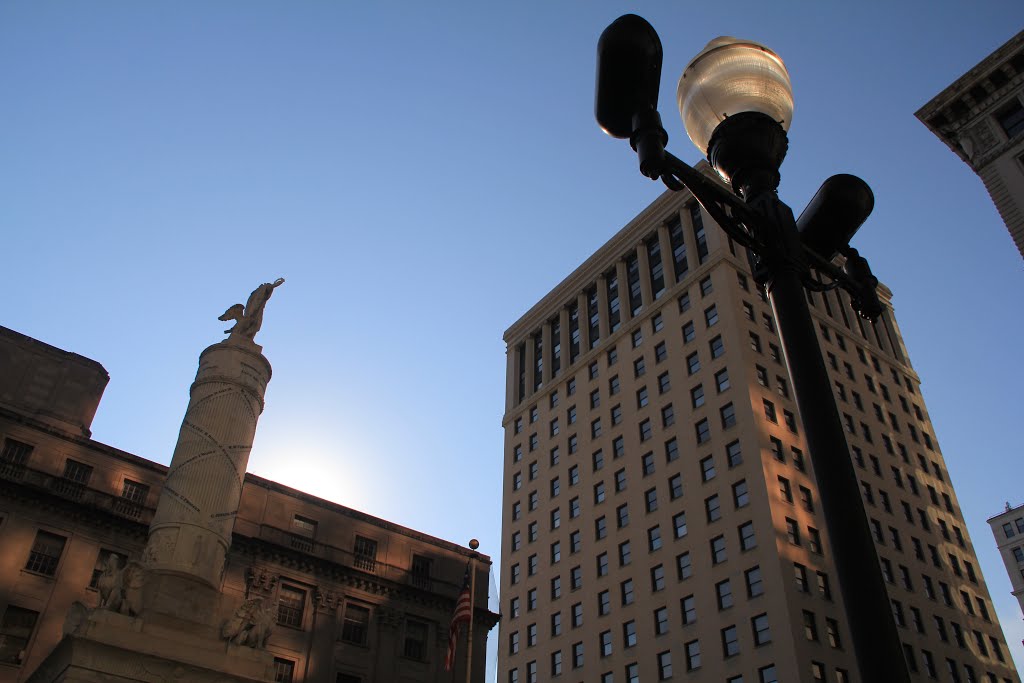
(352, 598)
(980, 117)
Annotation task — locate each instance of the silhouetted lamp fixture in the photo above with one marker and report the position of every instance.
(736, 102)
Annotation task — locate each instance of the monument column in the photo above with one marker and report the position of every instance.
(190, 534)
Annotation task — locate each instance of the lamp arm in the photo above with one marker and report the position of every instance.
(678, 175)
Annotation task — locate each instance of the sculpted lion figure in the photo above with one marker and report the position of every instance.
(251, 624)
(120, 586)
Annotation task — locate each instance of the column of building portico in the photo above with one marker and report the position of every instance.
(602, 308)
(668, 263)
(511, 377)
(563, 338)
(644, 267)
(622, 275)
(583, 320)
(530, 363)
(545, 345)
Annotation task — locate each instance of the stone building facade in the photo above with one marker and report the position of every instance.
(980, 117)
(355, 598)
(1008, 529)
(660, 512)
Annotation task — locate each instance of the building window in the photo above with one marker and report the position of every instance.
(679, 524)
(415, 646)
(664, 383)
(755, 587)
(713, 508)
(45, 553)
(284, 670)
(657, 578)
(703, 431)
(134, 491)
(651, 500)
(692, 655)
(365, 552)
(740, 494)
(707, 469)
(717, 347)
(723, 590)
(1011, 118)
(15, 452)
(355, 627)
(661, 621)
(77, 472)
(730, 642)
(718, 550)
(734, 454)
(722, 379)
(626, 588)
(728, 414)
(684, 567)
(693, 363)
(654, 538)
(762, 632)
(697, 396)
(604, 603)
(747, 538)
(15, 631)
(711, 315)
(664, 665)
(625, 553)
(290, 605)
(675, 486)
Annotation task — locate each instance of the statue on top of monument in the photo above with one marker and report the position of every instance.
(249, 319)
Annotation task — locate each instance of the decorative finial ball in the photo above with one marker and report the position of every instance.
(473, 544)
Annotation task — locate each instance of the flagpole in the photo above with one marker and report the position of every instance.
(473, 544)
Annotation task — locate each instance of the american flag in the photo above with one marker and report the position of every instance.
(463, 613)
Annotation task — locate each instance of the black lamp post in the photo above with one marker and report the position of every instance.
(736, 102)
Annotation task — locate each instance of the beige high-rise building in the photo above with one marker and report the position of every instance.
(351, 598)
(660, 513)
(980, 117)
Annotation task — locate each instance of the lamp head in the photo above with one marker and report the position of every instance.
(629, 56)
(736, 102)
(834, 214)
(728, 77)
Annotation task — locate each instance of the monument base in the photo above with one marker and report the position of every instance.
(100, 646)
(182, 598)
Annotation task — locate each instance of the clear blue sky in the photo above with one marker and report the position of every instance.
(422, 173)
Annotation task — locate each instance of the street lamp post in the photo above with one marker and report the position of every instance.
(736, 102)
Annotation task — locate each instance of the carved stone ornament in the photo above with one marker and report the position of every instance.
(977, 140)
(77, 615)
(251, 624)
(327, 601)
(391, 618)
(259, 580)
(249, 318)
(120, 587)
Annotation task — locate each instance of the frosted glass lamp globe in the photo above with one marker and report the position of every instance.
(731, 76)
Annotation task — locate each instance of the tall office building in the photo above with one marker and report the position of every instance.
(980, 117)
(660, 513)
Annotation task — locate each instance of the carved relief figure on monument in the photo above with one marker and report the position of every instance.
(249, 319)
(251, 624)
(120, 587)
